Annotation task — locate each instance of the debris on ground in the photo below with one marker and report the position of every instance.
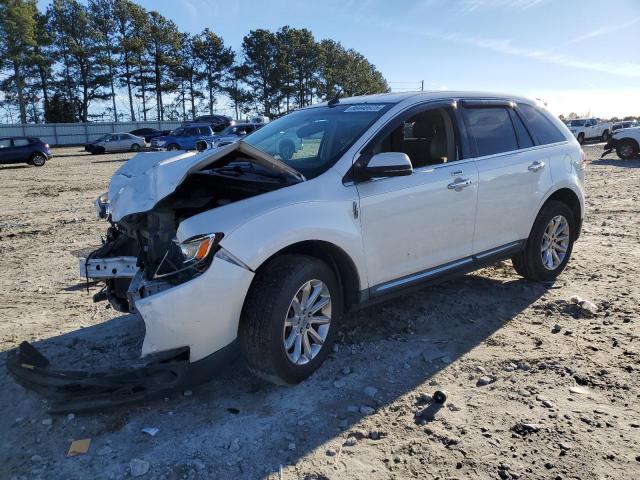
(559, 405)
(79, 447)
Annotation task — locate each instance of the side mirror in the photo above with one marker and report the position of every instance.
(388, 164)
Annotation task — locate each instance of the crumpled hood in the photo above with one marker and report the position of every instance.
(144, 180)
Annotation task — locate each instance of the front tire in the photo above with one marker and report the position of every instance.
(581, 138)
(135, 147)
(173, 146)
(605, 136)
(549, 245)
(38, 160)
(290, 318)
(627, 150)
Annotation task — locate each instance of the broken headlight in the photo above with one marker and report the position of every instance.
(192, 256)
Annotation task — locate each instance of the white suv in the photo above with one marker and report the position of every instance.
(389, 192)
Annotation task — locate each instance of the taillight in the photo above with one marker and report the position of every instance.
(46, 145)
(583, 159)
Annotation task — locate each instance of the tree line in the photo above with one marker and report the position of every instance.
(56, 64)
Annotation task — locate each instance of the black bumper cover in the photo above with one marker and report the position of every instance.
(86, 391)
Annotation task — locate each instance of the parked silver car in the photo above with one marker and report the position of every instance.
(115, 142)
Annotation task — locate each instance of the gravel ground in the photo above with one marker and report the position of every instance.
(539, 386)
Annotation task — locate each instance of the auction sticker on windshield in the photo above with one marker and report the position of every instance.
(365, 108)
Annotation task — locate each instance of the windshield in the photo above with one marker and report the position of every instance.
(577, 123)
(313, 139)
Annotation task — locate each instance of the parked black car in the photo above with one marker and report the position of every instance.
(32, 151)
(217, 122)
(149, 133)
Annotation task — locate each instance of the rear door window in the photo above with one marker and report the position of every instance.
(491, 129)
(21, 142)
(540, 126)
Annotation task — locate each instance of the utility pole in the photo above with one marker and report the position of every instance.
(422, 85)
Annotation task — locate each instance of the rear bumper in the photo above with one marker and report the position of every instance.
(86, 391)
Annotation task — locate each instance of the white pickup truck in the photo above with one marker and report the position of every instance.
(588, 128)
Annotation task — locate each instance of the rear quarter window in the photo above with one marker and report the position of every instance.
(540, 126)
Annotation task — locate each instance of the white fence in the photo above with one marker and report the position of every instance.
(77, 133)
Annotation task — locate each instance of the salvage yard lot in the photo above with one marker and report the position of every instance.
(538, 386)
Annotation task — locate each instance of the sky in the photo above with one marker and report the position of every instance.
(578, 56)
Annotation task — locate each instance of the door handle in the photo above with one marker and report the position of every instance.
(459, 184)
(535, 166)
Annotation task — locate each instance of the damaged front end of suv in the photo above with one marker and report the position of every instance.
(156, 247)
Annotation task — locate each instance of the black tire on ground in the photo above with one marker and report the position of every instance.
(173, 146)
(38, 159)
(528, 263)
(605, 136)
(286, 150)
(98, 151)
(627, 149)
(135, 147)
(261, 328)
(581, 138)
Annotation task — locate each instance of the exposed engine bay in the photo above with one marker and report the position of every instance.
(150, 236)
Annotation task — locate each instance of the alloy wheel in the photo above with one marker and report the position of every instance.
(307, 322)
(555, 242)
(38, 160)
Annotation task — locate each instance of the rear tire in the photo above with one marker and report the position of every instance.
(173, 146)
(627, 150)
(135, 147)
(605, 136)
(530, 263)
(270, 319)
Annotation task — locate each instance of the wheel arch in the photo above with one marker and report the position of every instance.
(630, 140)
(338, 260)
(571, 199)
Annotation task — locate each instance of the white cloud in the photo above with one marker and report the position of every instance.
(603, 31)
(505, 46)
(598, 102)
(469, 6)
(627, 69)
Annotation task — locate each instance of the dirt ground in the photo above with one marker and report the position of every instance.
(538, 386)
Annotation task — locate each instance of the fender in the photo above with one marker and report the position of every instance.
(258, 227)
(562, 184)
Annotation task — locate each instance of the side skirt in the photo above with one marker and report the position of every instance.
(418, 280)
